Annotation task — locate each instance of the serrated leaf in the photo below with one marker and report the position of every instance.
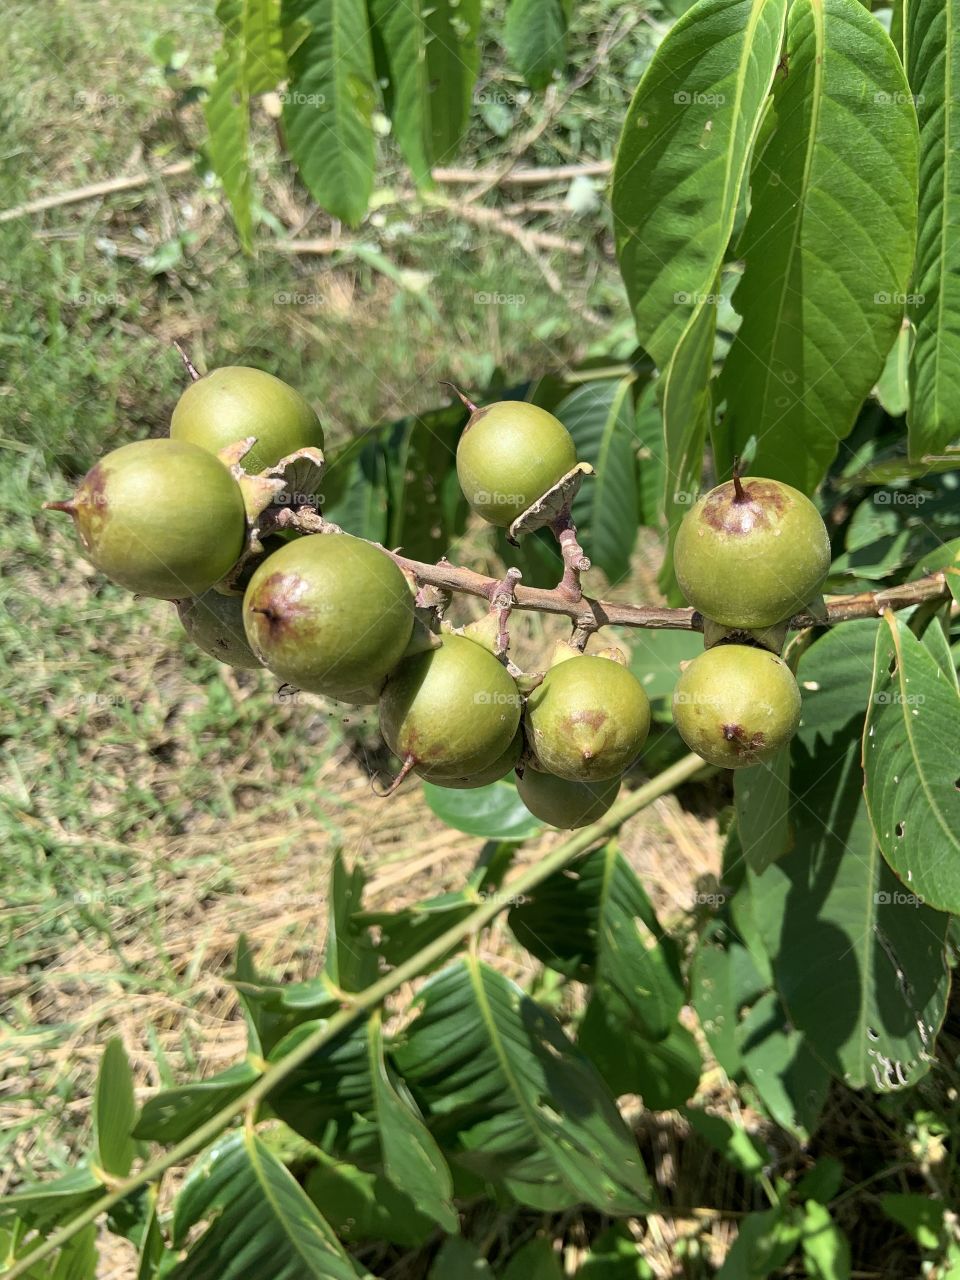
(114, 1111)
(173, 1114)
(931, 31)
(241, 1191)
(601, 418)
(411, 1158)
(329, 105)
(494, 812)
(828, 250)
(509, 1094)
(912, 774)
(843, 931)
(682, 157)
(227, 113)
(535, 34)
(594, 922)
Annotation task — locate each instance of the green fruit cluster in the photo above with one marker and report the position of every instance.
(748, 556)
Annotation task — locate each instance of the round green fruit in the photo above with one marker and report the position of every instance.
(160, 517)
(510, 454)
(330, 614)
(588, 720)
(563, 803)
(214, 622)
(453, 711)
(736, 705)
(235, 402)
(482, 777)
(751, 553)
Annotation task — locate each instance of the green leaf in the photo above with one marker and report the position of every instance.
(355, 485)
(152, 1247)
(921, 1216)
(411, 1158)
(828, 909)
(723, 979)
(682, 157)
(600, 416)
(329, 1098)
(826, 1250)
(745, 1153)
(506, 1090)
(791, 1082)
(361, 1205)
(242, 1192)
(227, 113)
(594, 921)
(932, 59)
(614, 1255)
(655, 658)
(173, 1114)
(329, 105)
(403, 933)
(350, 960)
(536, 1260)
(401, 32)
(535, 34)
(664, 1073)
(495, 812)
(893, 385)
(421, 466)
(78, 1258)
(912, 774)
(458, 1259)
(762, 798)
(822, 1182)
(265, 63)
(828, 245)
(114, 1111)
(765, 1242)
(48, 1204)
(453, 60)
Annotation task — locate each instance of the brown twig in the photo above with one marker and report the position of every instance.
(502, 599)
(95, 190)
(574, 561)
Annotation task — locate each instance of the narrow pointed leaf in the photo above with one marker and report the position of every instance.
(828, 246)
(402, 32)
(350, 958)
(227, 113)
(535, 33)
(114, 1111)
(453, 60)
(173, 1114)
(682, 157)
(258, 1220)
(328, 109)
(47, 1204)
(912, 769)
(509, 1094)
(264, 61)
(932, 58)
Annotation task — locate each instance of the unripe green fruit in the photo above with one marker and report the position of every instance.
(588, 720)
(235, 402)
(563, 803)
(214, 622)
(330, 614)
(482, 777)
(452, 710)
(754, 560)
(509, 455)
(160, 517)
(735, 705)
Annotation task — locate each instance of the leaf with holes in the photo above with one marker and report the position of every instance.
(328, 109)
(833, 917)
(535, 33)
(682, 157)
(828, 245)
(509, 1097)
(240, 1190)
(931, 31)
(912, 773)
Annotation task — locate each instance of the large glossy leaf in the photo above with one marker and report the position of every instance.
(932, 58)
(601, 418)
(453, 60)
(114, 1111)
(401, 34)
(506, 1089)
(495, 812)
(828, 246)
(861, 972)
(227, 113)
(595, 922)
(664, 1073)
(791, 1082)
(535, 33)
(363, 1205)
(912, 768)
(265, 63)
(258, 1220)
(411, 1158)
(682, 157)
(762, 797)
(329, 105)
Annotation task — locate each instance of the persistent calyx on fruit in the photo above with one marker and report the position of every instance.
(751, 553)
(510, 454)
(214, 623)
(452, 711)
(563, 803)
(588, 720)
(736, 705)
(162, 518)
(235, 402)
(331, 614)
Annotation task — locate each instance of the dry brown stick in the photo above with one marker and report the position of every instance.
(95, 190)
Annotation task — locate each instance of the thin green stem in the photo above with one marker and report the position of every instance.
(371, 998)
